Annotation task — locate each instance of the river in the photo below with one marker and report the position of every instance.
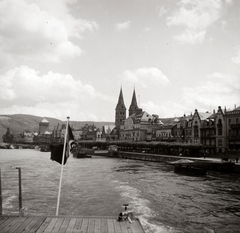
(163, 201)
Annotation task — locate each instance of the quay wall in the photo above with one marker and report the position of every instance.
(211, 164)
(147, 157)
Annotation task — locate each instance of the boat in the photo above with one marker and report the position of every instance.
(188, 167)
(5, 146)
(44, 148)
(81, 152)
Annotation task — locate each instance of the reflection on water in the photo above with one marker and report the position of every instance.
(164, 201)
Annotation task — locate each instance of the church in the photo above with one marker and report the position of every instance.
(139, 125)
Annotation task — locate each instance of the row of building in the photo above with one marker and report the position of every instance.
(218, 131)
(87, 132)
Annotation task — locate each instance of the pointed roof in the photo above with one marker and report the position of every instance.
(134, 101)
(120, 103)
(44, 120)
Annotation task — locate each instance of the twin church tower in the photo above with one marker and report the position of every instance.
(120, 111)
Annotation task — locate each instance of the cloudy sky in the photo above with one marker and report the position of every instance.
(70, 57)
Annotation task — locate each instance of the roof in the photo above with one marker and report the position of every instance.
(204, 115)
(108, 128)
(164, 127)
(234, 111)
(167, 121)
(213, 116)
(44, 120)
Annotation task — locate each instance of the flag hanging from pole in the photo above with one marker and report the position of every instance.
(57, 150)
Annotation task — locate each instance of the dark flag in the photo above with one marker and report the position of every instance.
(57, 149)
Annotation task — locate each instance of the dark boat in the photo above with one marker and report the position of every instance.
(81, 153)
(188, 167)
(44, 148)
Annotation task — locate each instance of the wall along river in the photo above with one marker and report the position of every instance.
(99, 186)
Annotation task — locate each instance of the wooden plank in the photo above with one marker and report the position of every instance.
(68, 224)
(84, 225)
(39, 222)
(9, 224)
(30, 225)
(18, 223)
(78, 225)
(128, 224)
(91, 225)
(64, 225)
(136, 227)
(6, 222)
(57, 225)
(104, 225)
(2, 220)
(24, 225)
(110, 226)
(97, 226)
(51, 225)
(44, 225)
(125, 227)
(117, 227)
(71, 225)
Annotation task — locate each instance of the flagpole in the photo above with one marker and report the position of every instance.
(60, 182)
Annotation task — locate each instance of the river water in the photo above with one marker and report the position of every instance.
(99, 186)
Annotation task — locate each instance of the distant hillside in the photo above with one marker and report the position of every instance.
(22, 122)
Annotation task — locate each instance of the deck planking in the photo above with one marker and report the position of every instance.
(67, 224)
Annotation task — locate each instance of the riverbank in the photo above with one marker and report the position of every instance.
(215, 164)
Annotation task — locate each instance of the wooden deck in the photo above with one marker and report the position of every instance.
(68, 224)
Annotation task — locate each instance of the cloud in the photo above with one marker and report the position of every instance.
(23, 90)
(40, 30)
(236, 59)
(196, 16)
(122, 26)
(220, 89)
(165, 109)
(146, 77)
(162, 11)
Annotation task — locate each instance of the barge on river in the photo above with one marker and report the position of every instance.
(81, 152)
(190, 167)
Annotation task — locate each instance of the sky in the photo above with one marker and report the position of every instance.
(62, 58)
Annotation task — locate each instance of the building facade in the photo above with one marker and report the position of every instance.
(232, 130)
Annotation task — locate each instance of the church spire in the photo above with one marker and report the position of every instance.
(134, 99)
(120, 111)
(120, 103)
(134, 106)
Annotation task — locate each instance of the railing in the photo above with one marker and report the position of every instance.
(19, 194)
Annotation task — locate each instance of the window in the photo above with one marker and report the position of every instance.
(220, 142)
(219, 125)
(219, 130)
(195, 131)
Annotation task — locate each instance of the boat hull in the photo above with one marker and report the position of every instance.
(79, 155)
(190, 170)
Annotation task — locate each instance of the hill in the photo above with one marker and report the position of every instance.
(23, 122)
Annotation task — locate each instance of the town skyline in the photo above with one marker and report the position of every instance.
(70, 58)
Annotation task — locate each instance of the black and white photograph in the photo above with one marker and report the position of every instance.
(120, 116)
